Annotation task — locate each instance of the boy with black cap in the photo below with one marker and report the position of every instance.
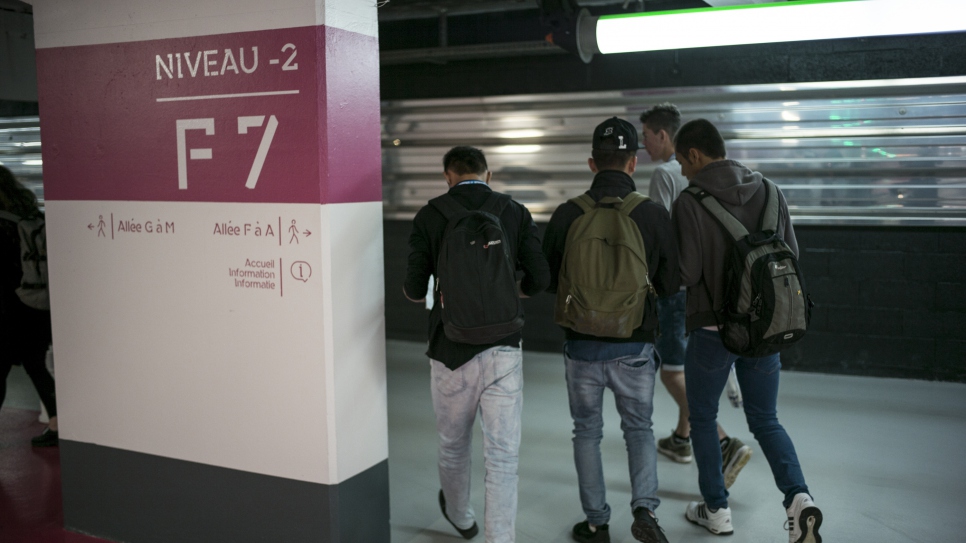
(609, 251)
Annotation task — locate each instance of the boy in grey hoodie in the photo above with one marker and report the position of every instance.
(703, 245)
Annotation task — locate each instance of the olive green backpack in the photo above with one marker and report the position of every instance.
(604, 285)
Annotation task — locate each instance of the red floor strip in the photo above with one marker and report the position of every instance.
(31, 508)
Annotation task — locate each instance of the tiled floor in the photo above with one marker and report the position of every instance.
(883, 457)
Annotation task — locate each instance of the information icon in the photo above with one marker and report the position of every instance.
(301, 271)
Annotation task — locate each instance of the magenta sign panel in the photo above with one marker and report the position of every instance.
(238, 117)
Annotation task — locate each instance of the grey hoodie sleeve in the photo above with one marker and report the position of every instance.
(788, 233)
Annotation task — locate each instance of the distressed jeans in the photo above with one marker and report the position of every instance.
(706, 372)
(631, 378)
(491, 383)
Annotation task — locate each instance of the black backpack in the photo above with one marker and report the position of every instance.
(766, 307)
(476, 274)
(33, 291)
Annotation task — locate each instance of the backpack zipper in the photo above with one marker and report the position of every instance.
(791, 305)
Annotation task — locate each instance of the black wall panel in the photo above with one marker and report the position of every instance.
(890, 302)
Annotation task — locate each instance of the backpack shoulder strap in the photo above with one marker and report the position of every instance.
(496, 203)
(448, 206)
(769, 213)
(631, 201)
(585, 202)
(9, 216)
(721, 215)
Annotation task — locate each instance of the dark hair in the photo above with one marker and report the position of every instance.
(664, 117)
(611, 160)
(462, 160)
(16, 198)
(700, 134)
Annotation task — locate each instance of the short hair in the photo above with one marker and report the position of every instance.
(611, 160)
(700, 134)
(664, 116)
(463, 160)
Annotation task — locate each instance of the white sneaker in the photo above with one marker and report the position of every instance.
(804, 520)
(718, 522)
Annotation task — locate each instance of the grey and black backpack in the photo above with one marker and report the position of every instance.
(766, 307)
(476, 273)
(33, 290)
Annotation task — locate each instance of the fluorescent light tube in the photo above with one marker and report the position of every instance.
(802, 20)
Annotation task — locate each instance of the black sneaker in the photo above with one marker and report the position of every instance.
(645, 527)
(583, 534)
(46, 439)
(468, 533)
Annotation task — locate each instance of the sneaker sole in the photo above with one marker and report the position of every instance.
(737, 463)
(810, 519)
(696, 523)
(676, 457)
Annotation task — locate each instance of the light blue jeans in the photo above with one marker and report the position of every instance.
(491, 383)
(631, 378)
(706, 372)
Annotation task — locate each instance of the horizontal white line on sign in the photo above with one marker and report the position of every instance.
(220, 96)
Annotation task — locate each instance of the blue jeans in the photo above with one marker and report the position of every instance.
(706, 372)
(631, 378)
(491, 383)
(672, 342)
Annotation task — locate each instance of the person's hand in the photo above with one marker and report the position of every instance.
(419, 301)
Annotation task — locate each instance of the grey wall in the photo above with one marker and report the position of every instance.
(890, 302)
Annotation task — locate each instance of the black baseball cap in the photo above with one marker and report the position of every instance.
(615, 134)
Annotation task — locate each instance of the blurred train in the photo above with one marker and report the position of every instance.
(889, 152)
(886, 152)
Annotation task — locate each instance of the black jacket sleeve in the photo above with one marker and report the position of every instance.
(420, 265)
(531, 260)
(555, 239)
(667, 276)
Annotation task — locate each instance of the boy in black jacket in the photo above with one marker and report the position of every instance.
(467, 377)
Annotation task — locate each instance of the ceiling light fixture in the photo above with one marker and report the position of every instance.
(802, 20)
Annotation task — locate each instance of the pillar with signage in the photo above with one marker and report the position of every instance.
(214, 212)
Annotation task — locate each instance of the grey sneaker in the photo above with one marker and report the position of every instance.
(734, 456)
(675, 450)
(804, 520)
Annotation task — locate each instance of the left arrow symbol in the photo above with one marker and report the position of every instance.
(90, 226)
